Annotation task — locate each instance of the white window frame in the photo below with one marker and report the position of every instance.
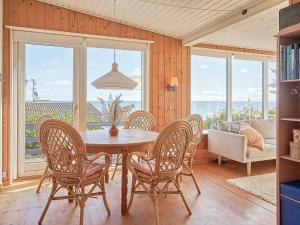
(229, 56)
(79, 43)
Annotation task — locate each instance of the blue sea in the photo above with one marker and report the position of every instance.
(206, 108)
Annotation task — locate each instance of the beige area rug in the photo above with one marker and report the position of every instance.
(263, 186)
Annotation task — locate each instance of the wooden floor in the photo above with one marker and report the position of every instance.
(219, 204)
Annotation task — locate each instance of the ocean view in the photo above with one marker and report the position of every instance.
(205, 108)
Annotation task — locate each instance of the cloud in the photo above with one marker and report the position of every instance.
(51, 62)
(59, 82)
(48, 71)
(203, 66)
(245, 70)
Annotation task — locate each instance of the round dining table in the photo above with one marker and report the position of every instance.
(127, 141)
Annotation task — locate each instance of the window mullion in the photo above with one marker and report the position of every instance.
(265, 78)
(229, 89)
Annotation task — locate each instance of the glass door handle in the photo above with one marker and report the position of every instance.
(75, 108)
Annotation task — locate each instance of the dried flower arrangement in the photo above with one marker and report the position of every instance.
(113, 111)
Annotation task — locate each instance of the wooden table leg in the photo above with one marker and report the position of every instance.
(107, 174)
(124, 188)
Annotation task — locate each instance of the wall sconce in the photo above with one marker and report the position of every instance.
(173, 84)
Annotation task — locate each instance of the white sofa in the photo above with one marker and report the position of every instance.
(234, 146)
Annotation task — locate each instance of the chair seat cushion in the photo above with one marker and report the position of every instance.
(92, 168)
(93, 171)
(143, 169)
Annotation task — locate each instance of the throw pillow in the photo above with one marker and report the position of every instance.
(223, 126)
(267, 128)
(254, 137)
(234, 127)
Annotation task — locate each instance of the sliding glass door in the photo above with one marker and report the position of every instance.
(46, 87)
(52, 75)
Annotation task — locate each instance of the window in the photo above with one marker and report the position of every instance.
(53, 75)
(208, 88)
(247, 92)
(272, 89)
(230, 86)
(99, 61)
(48, 89)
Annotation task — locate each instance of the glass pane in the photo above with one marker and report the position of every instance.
(49, 89)
(246, 90)
(208, 88)
(99, 62)
(272, 90)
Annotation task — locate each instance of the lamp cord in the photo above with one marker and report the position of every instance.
(115, 29)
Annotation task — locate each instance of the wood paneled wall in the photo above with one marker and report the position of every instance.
(167, 57)
(293, 1)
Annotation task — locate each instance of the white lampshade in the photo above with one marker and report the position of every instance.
(114, 80)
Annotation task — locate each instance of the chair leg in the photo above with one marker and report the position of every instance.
(116, 166)
(81, 204)
(54, 186)
(132, 191)
(155, 202)
(193, 176)
(42, 179)
(183, 199)
(219, 160)
(248, 168)
(104, 196)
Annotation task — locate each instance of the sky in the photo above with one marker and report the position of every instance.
(209, 79)
(52, 69)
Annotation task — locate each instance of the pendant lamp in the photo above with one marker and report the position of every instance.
(114, 79)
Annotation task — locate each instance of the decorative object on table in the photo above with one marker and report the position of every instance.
(113, 111)
(296, 136)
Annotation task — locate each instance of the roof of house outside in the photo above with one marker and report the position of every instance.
(59, 109)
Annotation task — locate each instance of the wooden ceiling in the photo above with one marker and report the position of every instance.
(181, 18)
(254, 32)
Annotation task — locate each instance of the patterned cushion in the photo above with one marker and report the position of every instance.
(143, 169)
(93, 168)
(93, 172)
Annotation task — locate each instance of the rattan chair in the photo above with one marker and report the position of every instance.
(69, 166)
(155, 173)
(138, 120)
(39, 121)
(196, 122)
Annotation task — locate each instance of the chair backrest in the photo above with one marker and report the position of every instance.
(140, 120)
(39, 121)
(170, 147)
(63, 147)
(196, 122)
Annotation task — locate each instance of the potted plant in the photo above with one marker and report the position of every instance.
(113, 112)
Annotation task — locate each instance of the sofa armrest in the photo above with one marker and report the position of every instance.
(229, 145)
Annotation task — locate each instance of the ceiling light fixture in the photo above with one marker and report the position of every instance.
(114, 79)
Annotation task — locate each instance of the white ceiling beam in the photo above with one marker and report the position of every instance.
(196, 37)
